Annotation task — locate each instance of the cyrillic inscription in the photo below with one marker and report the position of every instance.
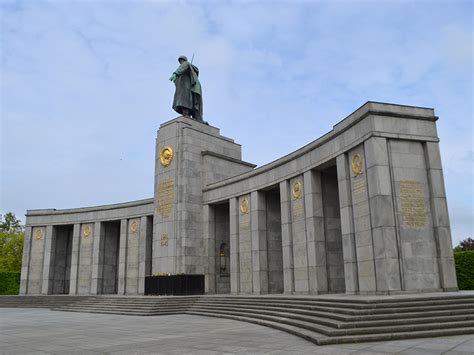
(412, 203)
(165, 197)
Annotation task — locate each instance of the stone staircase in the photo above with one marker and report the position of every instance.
(39, 301)
(320, 319)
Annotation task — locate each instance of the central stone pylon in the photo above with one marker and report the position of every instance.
(189, 155)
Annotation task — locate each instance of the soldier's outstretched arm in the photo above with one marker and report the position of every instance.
(181, 69)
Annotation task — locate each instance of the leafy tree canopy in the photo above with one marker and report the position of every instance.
(11, 243)
(466, 244)
(10, 224)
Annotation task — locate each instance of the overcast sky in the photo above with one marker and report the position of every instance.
(84, 86)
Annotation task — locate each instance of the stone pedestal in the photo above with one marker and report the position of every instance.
(189, 155)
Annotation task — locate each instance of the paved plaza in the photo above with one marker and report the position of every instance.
(41, 331)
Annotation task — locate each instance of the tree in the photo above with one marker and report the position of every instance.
(11, 251)
(10, 224)
(11, 243)
(466, 244)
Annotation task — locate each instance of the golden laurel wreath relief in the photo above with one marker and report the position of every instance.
(134, 227)
(166, 156)
(244, 206)
(39, 234)
(87, 231)
(356, 164)
(296, 190)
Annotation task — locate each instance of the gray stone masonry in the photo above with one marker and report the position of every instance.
(259, 265)
(317, 259)
(74, 259)
(360, 210)
(201, 155)
(273, 239)
(332, 233)
(221, 243)
(25, 261)
(351, 275)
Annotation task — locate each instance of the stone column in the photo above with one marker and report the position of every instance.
(362, 222)
(209, 230)
(441, 227)
(234, 247)
(46, 285)
(287, 239)
(97, 250)
(347, 226)
(298, 231)
(386, 254)
(317, 262)
(259, 243)
(76, 235)
(132, 253)
(122, 262)
(144, 245)
(245, 244)
(36, 263)
(25, 263)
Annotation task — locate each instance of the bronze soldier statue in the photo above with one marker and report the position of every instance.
(188, 96)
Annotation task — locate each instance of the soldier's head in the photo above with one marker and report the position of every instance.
(182, 59)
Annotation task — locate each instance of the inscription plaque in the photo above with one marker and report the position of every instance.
(164, 240)
(244, 222)
(359, 188)
(412, 203)
(297, 209)
(165, 197)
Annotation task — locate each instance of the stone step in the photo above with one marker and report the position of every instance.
(321, 339)
(381, 303)
(396, 336)
(359, 311)
(335, 316)
(118, 312)
(151, 310)
(328, 331)
(328, 321)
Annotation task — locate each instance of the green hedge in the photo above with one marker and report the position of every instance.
(465, 269)
(9, 283)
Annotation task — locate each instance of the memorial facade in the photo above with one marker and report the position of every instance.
(361, 210)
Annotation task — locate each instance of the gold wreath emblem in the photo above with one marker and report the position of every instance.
(296, 190)
(87, 231)
(134, 227)
(356, 164)
(166, 156)
(244, 206)
(39, 234)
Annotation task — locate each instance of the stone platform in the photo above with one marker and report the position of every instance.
(40, 331)
(322, 320)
